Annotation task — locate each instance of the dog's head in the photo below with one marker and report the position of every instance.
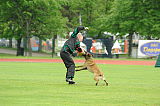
(87, 55)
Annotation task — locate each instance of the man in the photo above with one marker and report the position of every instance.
(71, 45)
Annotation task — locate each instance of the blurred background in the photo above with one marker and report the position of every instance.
(117, 28)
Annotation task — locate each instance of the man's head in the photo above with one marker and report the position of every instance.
(80, 37)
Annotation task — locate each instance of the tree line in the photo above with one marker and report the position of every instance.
(22, 19)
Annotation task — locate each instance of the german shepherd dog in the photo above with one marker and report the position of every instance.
(92, 67)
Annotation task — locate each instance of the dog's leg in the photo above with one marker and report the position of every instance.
(96, 83)
(96, 79)
(104, 79)
(85, 68)
(106, 82)
(79, 66)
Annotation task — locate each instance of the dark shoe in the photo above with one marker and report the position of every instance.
(70, 81)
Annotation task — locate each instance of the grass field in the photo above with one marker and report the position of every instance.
(43, 84)
(2, 55)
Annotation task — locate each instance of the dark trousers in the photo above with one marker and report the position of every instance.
(69, 63)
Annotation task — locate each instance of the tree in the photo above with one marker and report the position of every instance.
(33, 17)
(101, 11)
(89, 11)
(149, 20)
(127, 17)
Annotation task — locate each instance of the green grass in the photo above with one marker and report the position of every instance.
(43, 84)
(6, 55)
(2, 55)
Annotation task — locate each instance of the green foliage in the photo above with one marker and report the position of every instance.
(32, 17)
(150, 18)
(128, 16)
(91, 12)
(47, 18)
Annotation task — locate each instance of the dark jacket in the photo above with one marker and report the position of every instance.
(72, 43)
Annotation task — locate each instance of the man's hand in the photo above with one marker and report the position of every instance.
(80, 52)
(79, 49)
(86, 28)
(74, 54)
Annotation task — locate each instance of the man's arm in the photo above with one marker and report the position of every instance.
(77, 30)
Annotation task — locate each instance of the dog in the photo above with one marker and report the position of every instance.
(91, 66)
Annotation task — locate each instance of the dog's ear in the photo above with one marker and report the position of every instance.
(89, 55)
(85, 52)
